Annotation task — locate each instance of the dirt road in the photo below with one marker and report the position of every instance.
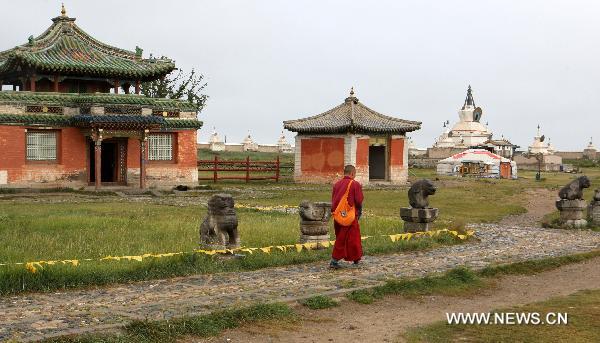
(386, 320)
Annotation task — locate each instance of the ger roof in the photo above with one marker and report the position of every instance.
(351, 116)
(66, 49)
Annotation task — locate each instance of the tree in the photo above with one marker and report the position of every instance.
(178, 86)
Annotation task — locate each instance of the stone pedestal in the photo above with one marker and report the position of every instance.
(314, 221)
(594, 212)
(572, 213)
(418, 219)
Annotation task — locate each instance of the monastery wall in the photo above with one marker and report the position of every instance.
(182, 170)
(68, 170)
(319, 159)
(398, 160)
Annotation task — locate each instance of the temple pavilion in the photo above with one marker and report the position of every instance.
(351, 133)
(72, 115)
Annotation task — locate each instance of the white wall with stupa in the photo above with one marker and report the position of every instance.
(541, 155)
(216, 143)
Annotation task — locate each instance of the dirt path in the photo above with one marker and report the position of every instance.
(386, 320)
(540, 201)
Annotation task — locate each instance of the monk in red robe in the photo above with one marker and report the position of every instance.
(347, 238)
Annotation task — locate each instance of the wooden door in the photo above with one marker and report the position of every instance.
(505, 170)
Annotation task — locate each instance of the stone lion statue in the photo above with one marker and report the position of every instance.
(574, 189)
(419, 192)
(219, 228)
(315, 211)
(597, 194)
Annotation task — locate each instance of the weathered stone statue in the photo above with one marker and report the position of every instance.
(594, 208)
(419, 192)
(219, 228)
(574, 189)
(419, 216)
(314, 221)
(571, 204)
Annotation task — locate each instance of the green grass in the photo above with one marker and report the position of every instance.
(34, 230)
(319, 302)
(582, 308)
(207, 154)
(16, 279)
(198, 326)
(536, 266)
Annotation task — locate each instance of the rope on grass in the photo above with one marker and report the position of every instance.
(34, 266)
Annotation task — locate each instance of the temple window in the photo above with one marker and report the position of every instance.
(160, 147)
(42, 145)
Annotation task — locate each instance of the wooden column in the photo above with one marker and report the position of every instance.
(32, 83)
(14, 88)
(137, 87)
(56, 83)
(143, 159)
(116, 85)
(98, 161)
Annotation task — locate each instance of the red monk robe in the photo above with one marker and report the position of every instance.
(347, 238)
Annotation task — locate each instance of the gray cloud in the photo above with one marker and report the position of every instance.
(529, 62)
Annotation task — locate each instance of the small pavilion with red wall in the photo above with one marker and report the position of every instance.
(74, 115)
(351, 133)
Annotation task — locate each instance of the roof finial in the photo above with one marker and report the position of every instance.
(63, 11)
(469, 99)
(352, 91)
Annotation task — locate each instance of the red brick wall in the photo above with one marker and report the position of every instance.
(12, 145)
(184, 151)
(362, 152)
(69, 167)
(186, 148)
(322, 156)
(397, 151)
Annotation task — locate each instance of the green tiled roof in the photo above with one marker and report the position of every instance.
(35, 119)
(183, 124)
(66, 49)
(88, 120)
(351, 116)
(99, 99)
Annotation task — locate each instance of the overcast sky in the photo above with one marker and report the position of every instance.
(528, 62)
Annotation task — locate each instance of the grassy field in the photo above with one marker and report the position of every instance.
(33, 229)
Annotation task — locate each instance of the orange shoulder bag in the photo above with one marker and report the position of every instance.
(344, 214)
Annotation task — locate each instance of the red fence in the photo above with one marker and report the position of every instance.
(217, 166)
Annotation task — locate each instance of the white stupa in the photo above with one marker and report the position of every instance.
(591, 146)
(444, 140)
(550, 147)
(283, 145)
(215, 143)
(249, 144)
(469, 131)
(538, 146)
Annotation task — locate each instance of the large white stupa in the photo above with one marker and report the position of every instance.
(468, 131)
(539, 146)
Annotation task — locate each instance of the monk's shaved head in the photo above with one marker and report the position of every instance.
(349, 170)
